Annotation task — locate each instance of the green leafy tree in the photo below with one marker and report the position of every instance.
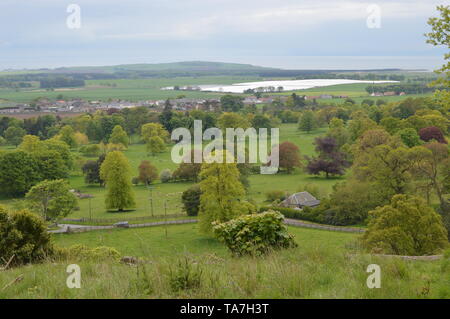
(150, 130)
(156, 145)
(307, 122)
(14, 135)
(116, 173)
(231, 103)
(67, 135)
(19, 171)
(440, 36)
(119, 136)
(51, 199)
(409, 137)
(407, 226)
(222, 194)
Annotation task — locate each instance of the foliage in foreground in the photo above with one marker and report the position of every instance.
(254, 234)
(405, 227)
(23, 235)
(302, 272)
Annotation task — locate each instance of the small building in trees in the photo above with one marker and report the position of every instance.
(300, 200)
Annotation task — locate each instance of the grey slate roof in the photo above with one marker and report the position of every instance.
(301, 199)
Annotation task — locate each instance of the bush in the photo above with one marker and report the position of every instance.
(191, 200)
(272, 196)
(82, 252)
(23, 235)
(307, 214)
(91, 150)
(407, 226)
(165, 176)
(254, 234)
(186, 275)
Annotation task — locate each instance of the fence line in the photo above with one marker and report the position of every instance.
(299, 223)
(120, 219)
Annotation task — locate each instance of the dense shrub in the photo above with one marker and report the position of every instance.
(91, 150)
(407, 226)
(275, 195)
(165, 176)
(191, 200)
(24, 236)
(307, 214)
(254, 234)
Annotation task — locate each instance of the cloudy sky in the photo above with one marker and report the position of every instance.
(281, 33)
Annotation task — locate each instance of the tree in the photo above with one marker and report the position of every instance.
(147, 172)
(338, 132)
(156, 145)
(439, 36)
(30, 144)
(81, 138)
(67, 135)
(389, 166)
(432, 133)
(150, 130)
(232, 120)
(51, 199)
(307, 122)
(188, 170)
(222, 193)
(330, 160)
(429, 161)
(261, 121)
(407, 226)
(289, 157)
(18, 173)
(409, 137)
(191, 200)
(91, 170)
(231, 103)
(119, 136)
(14, 135)
(116, 173)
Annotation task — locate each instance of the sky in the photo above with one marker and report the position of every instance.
(298, 34)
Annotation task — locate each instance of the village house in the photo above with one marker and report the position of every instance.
(300, 200)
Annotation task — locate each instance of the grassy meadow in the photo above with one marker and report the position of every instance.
(324, 265)
(167, 196)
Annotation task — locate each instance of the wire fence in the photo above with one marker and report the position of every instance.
(122, 219)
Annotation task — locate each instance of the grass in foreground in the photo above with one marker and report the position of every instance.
(321, 267)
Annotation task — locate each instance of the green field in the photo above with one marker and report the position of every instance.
(150, 89)
(167, 196)
(152, 242)
(127, 89)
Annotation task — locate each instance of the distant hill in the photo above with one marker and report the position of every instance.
(175, 69)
